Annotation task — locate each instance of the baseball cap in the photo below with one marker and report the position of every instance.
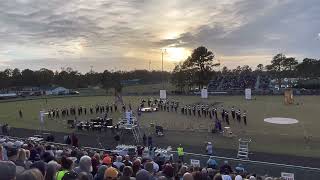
(107, 160)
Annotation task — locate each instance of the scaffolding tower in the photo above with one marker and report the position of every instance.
(243, 150)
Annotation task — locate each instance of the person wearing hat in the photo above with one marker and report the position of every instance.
(111, 174)
(209, 148)
(107, 161)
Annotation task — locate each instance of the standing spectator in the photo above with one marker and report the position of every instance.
(149, 142)
(180, 152)
(74, 140)
(209, 148)
(144, 139)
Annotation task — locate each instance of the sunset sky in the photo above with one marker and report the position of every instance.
(127, 35)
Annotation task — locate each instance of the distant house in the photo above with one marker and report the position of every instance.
(57, 91)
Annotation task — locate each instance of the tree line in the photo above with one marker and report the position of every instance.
(196, 71)
(70, 78)
(199, 68)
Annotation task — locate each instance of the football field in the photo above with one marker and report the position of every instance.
(301, 139)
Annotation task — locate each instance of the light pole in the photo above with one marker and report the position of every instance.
(163, 51)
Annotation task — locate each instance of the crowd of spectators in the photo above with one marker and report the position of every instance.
(238, 82)
(42, 161)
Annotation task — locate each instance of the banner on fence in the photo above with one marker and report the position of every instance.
(287, 176)
(163, 94)
(195, 162)
(248, 94)
(204, 93)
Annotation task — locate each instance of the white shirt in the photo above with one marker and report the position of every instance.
(226, 177)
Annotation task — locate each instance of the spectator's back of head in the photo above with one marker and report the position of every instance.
(31, 174)
(83, 176)
(187, 176)
(40, 165)
(111, 173)
(127, 171)
(66, 163)
(217, 177)
(7, 170)
(149, 167)
(143, 175)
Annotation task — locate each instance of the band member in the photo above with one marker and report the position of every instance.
(199, 111)
(215, 112)
(189, 109)
(194, 110)
(245, 117)
(222, 113)
(233, 113)
(20, 114)
(238, 114)
(227, 117)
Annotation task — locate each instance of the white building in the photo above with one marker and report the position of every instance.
(57, 91)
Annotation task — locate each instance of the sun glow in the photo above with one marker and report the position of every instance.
(177, 54)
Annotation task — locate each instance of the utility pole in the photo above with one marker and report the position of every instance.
(162, 53)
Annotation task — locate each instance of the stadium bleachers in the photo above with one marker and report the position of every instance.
(235, 82)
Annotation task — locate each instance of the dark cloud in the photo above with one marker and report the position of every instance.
(106, 29)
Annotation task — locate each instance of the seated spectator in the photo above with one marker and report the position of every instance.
(143, 175)
(240, 169)
(41, 166)
(66, 166)
(111, 174)
(7, 170)
(85, 165)
(100, 172)
(211, 163)
(107, 161)
(52, 169)
(226, 168)
(119, 164)
(187, 176)
(127, 173)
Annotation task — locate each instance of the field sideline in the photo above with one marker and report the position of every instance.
(282, 139)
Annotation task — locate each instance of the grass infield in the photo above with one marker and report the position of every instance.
(271, 138)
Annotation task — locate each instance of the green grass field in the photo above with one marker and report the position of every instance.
(285, 139)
